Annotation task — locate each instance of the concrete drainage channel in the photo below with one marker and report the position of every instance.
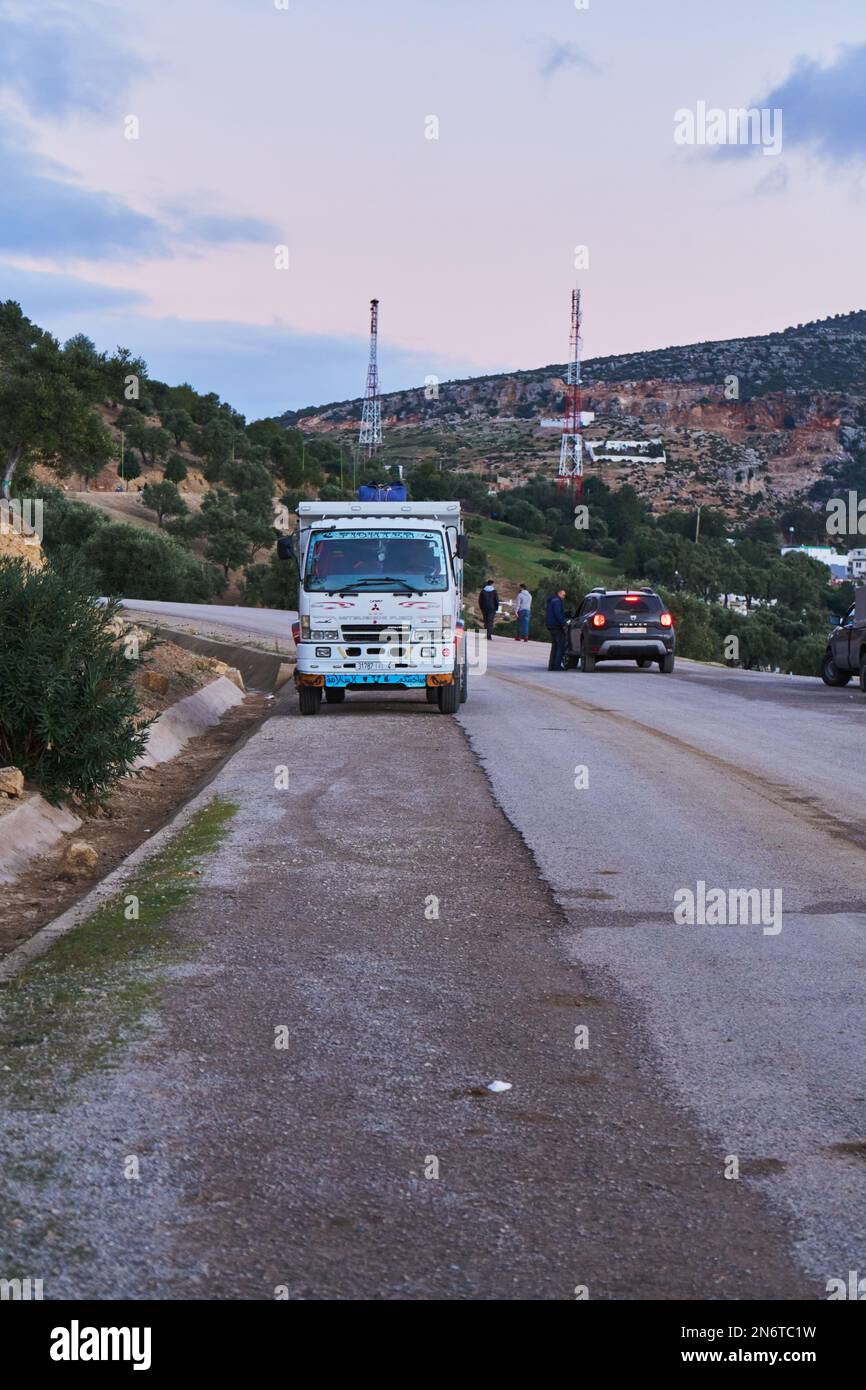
(35, 827)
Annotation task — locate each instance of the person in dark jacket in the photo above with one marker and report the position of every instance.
(488, 602)
(555, 618)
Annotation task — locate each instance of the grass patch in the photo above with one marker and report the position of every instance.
(71, 1012)
(518, 560)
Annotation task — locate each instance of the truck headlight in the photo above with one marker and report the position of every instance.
(323, 634)
(305, 625)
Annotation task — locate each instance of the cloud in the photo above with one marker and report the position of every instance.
(216, 229)
(824, 108)
(43, 216)
(564, 55)
(41, 293)
(46, 215)
(56, 60)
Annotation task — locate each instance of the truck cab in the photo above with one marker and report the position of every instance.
(380, 600)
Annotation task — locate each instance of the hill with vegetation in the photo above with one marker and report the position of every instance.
(747, 425)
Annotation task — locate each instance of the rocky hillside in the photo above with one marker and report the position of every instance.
(746, 424)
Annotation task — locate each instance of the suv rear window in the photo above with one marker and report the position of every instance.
(620, 607)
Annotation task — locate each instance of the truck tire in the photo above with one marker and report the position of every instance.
(464, 683)
(309, 698)
(587, 662)
(449, 698)
(666, 665)
(432, 694)
(334, 695)
(830, 673)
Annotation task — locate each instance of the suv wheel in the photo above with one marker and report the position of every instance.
(666, 665)
(831, 675)
(587, 662)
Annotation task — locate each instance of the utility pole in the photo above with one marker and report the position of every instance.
(370, 435)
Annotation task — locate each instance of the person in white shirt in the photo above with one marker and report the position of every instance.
(523, 608)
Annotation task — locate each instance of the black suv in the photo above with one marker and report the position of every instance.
(621, 625)
(846, 649)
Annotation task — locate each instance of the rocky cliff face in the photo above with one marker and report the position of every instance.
(747, 424)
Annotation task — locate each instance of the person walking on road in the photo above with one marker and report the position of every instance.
(556, 618)
(488, 602)
(523, 608)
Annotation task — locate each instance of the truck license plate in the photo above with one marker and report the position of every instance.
(372, 666)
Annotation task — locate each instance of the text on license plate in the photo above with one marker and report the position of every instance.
(636, 631)
(372, 666)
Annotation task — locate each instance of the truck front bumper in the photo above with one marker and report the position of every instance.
(359, 680)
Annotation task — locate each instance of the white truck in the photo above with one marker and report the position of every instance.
(380, 600)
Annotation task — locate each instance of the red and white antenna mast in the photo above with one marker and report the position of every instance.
(370, 437)
(571, 450)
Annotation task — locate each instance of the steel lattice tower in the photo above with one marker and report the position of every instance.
(571, 450)
(370, 437)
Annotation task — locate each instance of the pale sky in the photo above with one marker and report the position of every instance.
(306, 127)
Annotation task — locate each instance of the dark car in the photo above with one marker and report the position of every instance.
(846, 649)
(621, 625)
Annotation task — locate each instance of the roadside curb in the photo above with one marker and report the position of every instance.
(107, 888)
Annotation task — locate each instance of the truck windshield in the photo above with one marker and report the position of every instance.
(341, 559)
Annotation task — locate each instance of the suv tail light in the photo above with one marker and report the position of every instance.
(598, 620)
(666, 620)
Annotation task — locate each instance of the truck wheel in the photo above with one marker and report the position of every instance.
(334, 695)
(432, 694)
(309, 698)
(666, 665)
(831, 675)
(449, 698)
(587, 662)
(464, 683)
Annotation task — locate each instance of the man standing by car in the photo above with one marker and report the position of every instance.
(522, 609)
(556, 618)
(488, 602)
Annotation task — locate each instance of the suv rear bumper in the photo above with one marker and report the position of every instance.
(625, 647)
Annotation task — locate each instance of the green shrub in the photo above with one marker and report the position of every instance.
(68, 710)
(130, 562)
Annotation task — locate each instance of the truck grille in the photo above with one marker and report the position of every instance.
(354, 632)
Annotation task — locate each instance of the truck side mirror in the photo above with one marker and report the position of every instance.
(286, 547)
(462, 547)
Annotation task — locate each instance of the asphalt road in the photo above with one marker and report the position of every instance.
(261, 622)
(739, 781)
(427, 908)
